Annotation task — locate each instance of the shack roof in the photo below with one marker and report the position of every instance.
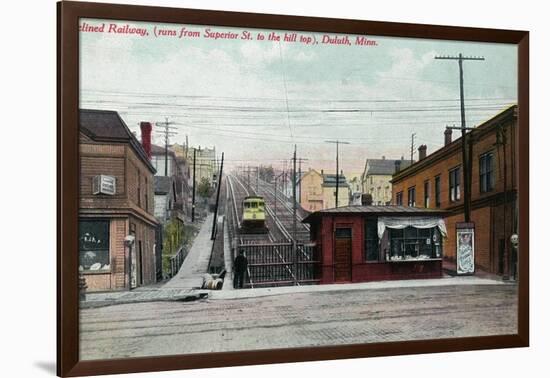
(389, 210)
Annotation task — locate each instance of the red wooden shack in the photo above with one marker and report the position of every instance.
(371, 243)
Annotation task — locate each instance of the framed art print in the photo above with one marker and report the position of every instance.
(238, 188)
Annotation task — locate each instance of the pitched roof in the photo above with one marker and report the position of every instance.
(375, 210)
(103, 124)
(329, 180)
(384, 166)
(163, 184)
(107, 126)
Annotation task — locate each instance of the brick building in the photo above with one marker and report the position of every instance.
(116, 220)
(370, 243)
(435, 181)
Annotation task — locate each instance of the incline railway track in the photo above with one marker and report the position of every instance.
(272, 260)
(281, 206)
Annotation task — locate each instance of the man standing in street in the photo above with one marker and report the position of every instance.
(240, 264)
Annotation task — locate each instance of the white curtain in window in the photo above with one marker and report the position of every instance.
(399, 223)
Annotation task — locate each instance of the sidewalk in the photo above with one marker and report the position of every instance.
(195, 265)
(263, 292)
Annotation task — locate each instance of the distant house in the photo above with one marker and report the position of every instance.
(329, 191)
(318, 190)
(376, 178)
(311, 189)
(355, 188)
(165, 197)
(161, 158)
(205, 165)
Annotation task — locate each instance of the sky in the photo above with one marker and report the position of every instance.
(256, 99)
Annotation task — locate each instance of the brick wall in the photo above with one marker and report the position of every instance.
(133, 178)
(486, 210)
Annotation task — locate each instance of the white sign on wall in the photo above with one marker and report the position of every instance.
(103, 184)
(465, 262)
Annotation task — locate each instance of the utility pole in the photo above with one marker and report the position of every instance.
(194, 184)
(186, 146)
(412, 146)
(466, 160)
(215, 222)
(167, 132)
(275, 207)
(300, 160)
(294, 209)
(337, 142)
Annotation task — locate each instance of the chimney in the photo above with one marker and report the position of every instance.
(397, 166)
(422, 152)
(146, 129)
(448, 136)
(322, 172)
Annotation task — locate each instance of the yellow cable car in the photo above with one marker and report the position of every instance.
(253, 214)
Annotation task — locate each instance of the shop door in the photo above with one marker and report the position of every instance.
(342, 254)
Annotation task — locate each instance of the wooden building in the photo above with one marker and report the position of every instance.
(370, 243)
(116, 215)
(436, 182)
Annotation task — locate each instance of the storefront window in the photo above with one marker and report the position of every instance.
(413, 243)
(94, 245)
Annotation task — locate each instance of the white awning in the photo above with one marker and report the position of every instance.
(399, 223)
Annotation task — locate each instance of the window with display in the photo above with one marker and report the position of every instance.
(371, 240)
(413, 243)
(94, 245)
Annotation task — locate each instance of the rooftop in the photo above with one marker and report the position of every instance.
(107, 126)
(384, 166)
(374, 210)
(329, 180)
(505, 115)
